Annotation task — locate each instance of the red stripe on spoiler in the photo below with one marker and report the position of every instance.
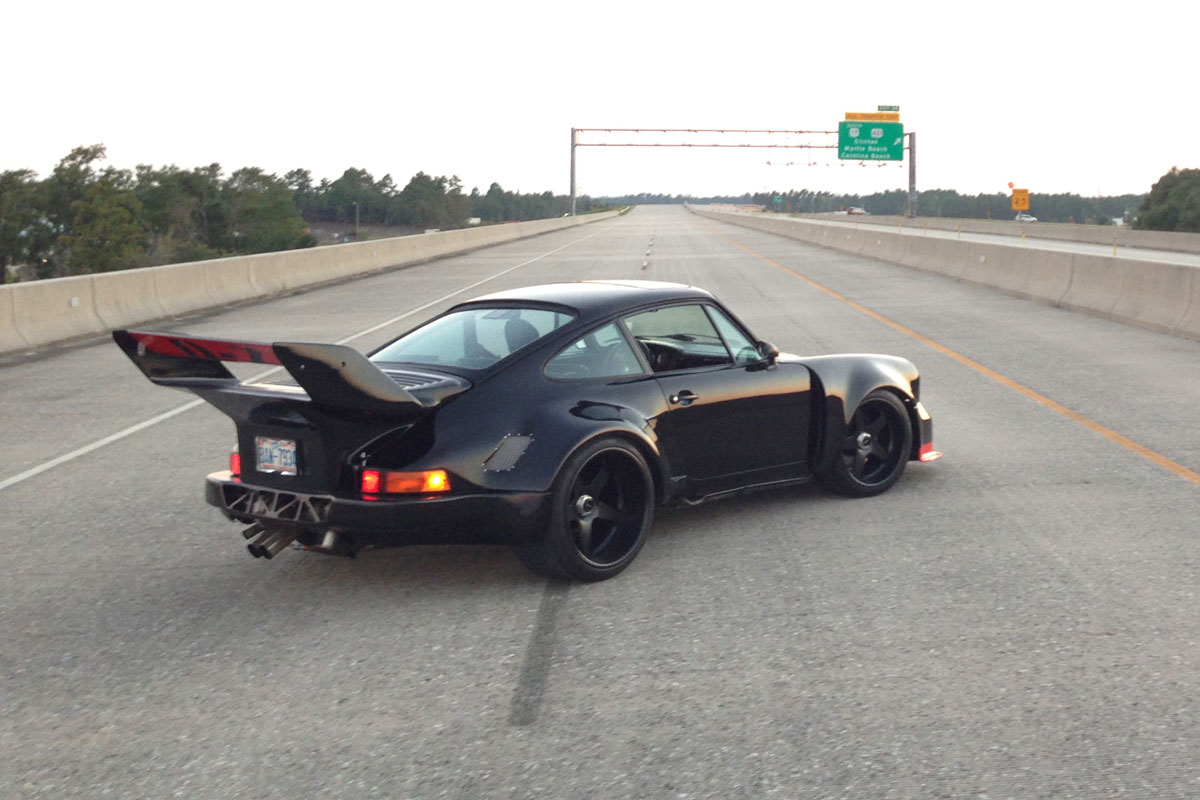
(205, 349)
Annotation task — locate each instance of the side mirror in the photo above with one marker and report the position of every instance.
(769, 352)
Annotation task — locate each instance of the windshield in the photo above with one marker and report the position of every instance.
(473, 338)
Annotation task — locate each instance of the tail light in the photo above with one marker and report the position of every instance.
(927, 453)
(381, 481)
(235, 464)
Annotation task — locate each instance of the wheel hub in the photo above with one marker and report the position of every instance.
(864, 441)
(584, 505)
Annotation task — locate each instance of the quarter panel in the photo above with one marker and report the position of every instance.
(556, 417)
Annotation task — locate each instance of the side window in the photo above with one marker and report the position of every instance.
(603, 353)
(678, 337)
(744, 351)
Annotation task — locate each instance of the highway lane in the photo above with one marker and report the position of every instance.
(1015, 620)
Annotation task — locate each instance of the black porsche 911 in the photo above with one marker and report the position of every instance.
(552, 418)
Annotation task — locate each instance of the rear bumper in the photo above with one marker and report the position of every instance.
(482, 518)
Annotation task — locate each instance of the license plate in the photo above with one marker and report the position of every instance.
(276, 455)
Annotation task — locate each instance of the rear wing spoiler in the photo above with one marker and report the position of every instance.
(332, 375)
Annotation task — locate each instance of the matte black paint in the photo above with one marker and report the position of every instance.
(704, 432)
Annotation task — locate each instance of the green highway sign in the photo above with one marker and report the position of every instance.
(871, 141)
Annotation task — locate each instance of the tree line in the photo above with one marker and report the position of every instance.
(86, 218)
(1173, 203)
(930, 203)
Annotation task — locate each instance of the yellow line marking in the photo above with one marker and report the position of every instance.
(1095, 427)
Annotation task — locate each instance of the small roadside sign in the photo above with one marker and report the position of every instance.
(1020, 199)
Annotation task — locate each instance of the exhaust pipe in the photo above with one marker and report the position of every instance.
(264, 535)
(269, 541)
(334, 543)
(253, 530)
(282, 539)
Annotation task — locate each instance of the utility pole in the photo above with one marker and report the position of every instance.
(912, 173)
(574, 139)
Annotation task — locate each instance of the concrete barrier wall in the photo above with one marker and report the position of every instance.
(943, 256)
(54, 310)
(1154, 295)
(40, 313)
(1058, 231)
(125, 298)
(1052, 278)
(1163, 297)
(1189, 323)
(10, 338)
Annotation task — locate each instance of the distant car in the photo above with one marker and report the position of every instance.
(856, 210)
(552, 419)
(1023, 217)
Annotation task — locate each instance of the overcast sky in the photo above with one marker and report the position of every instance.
(1084, 97)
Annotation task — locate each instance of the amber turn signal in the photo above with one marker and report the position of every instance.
(431, 481)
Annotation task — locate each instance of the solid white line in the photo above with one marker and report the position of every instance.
(116, 437)
(65, 457)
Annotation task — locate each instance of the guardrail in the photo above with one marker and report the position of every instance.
(35, 314)
(1162, 297)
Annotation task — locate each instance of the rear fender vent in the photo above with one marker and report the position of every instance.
(507, 453)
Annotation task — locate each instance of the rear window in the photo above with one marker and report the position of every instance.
(473, 338)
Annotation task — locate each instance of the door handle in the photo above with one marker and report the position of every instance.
(684, 398)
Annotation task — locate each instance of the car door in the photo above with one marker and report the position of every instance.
(733, 418)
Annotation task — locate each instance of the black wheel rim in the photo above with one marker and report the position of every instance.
(606, 509)
(871, 451)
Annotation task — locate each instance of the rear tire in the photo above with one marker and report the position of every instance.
(603, 508)
(872, 455)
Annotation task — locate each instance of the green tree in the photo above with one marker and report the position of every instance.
(176, 207)
(107, 233)
(352, 197)
(24, 230)
(304, 195)
(1173, 203)
(69, 183)
(263, 217)
(490, 207)
(456, 204)
(421, 203)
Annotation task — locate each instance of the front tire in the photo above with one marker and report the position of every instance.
(603, 508)
(872, 455)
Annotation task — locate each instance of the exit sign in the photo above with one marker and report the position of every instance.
(871, 141)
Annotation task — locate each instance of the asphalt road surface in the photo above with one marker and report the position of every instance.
(1016, 620)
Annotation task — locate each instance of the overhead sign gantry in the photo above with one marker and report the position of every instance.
(757, 138)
